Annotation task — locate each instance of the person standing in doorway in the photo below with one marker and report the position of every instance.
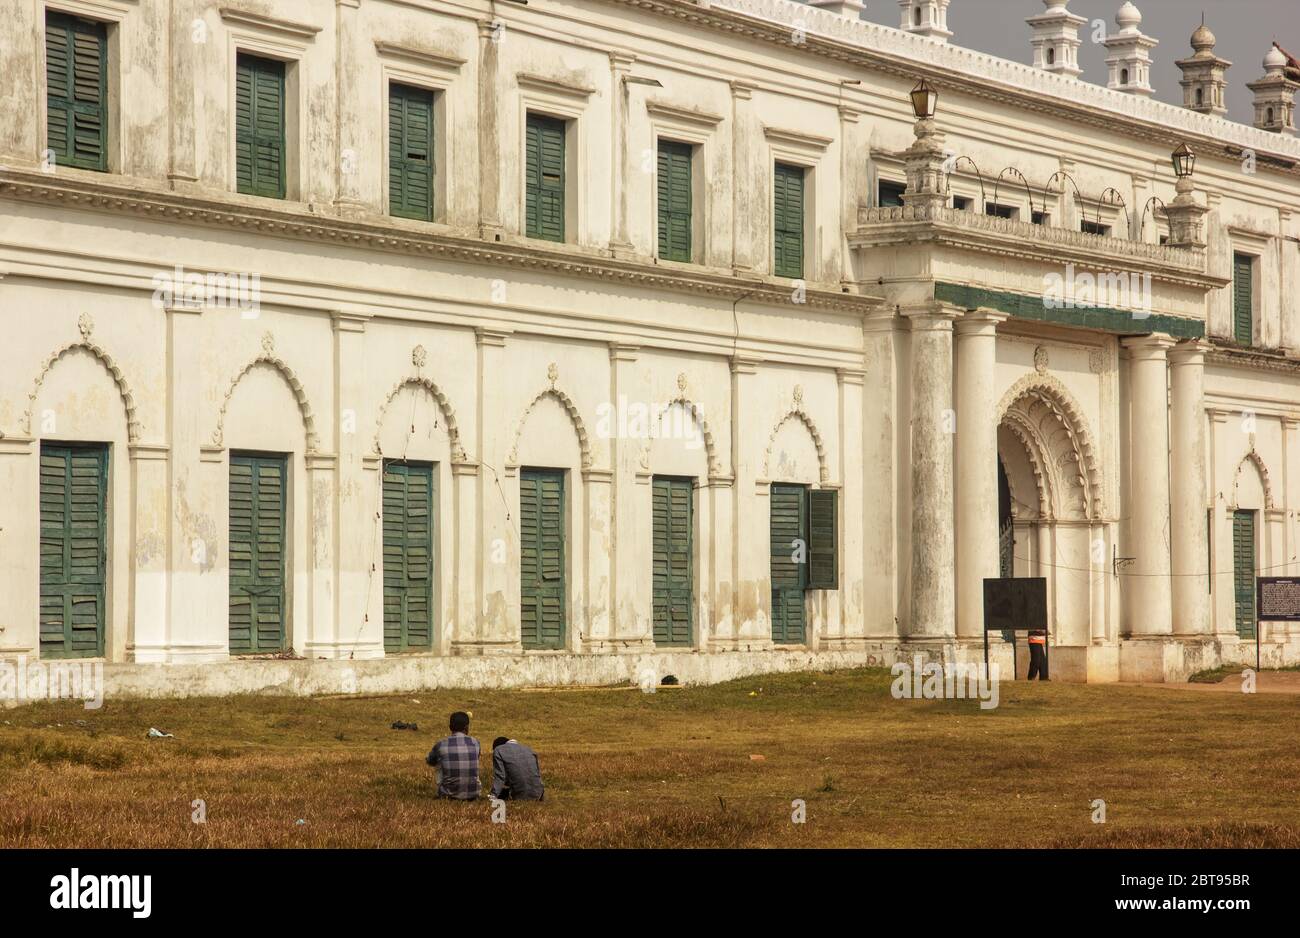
(1038, 655)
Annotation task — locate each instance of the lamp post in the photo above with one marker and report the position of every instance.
(1185, 213)
(927, 187)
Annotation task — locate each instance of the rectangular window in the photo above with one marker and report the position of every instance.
(673, 549)
(544, 178)
(76, 91)
(1095, 228)
(410, 152)
(787, 215)
(674, 195)
(961, 203)
(1243, 298)
(74, 550)
(542, 547)
(257, 553)
(1001, 211)
(1041, 218)
(259, 126)
(1243, 571)
(890, 194)
(409, 556)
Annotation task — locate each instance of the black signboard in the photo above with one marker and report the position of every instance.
(1014, 604)
(1277, 599)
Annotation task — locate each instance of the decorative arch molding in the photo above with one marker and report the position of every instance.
(1253, 457)
(797, 412)
(1042, 484)
(697, 414)
(562, 398)
(270, 359)
(1079, 448)
(444, 405)
(96, 351)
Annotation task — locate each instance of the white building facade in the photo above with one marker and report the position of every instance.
(381, 344)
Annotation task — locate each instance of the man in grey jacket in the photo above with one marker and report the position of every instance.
(516, 773)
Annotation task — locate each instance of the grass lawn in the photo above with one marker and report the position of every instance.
(627, 769)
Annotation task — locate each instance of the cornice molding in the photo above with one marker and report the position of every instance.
(910, 57)
(259, 21)
(682, 114)
(426, 57)
(381, 233)
(549, 85)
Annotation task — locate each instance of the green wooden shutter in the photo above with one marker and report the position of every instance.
(544, 176)
(410, 152)
(257, 526)
(541, 530)
(674, 197)
(672, 556)
(789, 575)
(787, 217)
(259, 126)
(1243, 298)
(1243, 566)
(74, 552)
(76, 91)
(408, 556)
(823, 540)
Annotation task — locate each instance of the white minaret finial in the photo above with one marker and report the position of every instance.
(1205, 75)
(1056, 38)
(1129, 61)
(927, 18)
(1275, 95)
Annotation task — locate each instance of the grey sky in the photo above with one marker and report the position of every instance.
(1245, 29)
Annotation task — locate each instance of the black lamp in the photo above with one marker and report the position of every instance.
(925, 99)
(1184, 161)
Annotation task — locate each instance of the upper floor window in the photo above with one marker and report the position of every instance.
(1001, 211)
(410, 152)
(544, 178)
(961, 203)
(787, 217)
(76, 91)
(1040, 218)
(890, 193)
(1243, 298)
(1096, 228)
(259, 126)
(674, 198)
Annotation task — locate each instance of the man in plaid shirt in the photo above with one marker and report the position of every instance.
(456, 759)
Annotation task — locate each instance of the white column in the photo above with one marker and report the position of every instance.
(882, 498)
(852, 597)
(933, 422)
(630, 576)
(20, 524)
(323, 639)
(489, 129)
(620, 64)
(1188, 538)
(497, 621)
(977, 465)
(746, 202)
(359, 572)
(354, 108)
(148, 638)
(1148, 590)
(751, 570)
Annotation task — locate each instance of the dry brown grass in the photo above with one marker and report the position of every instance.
(625, 769)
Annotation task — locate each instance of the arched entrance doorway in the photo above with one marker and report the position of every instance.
(1049, 500)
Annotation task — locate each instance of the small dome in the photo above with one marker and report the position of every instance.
(1274, 60)
(1129, 16)
(1203, 40)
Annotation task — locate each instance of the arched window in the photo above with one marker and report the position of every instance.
(918, 16)
(1051, 56)
(1123, 76)
(1200, 96)
(1269, 118)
